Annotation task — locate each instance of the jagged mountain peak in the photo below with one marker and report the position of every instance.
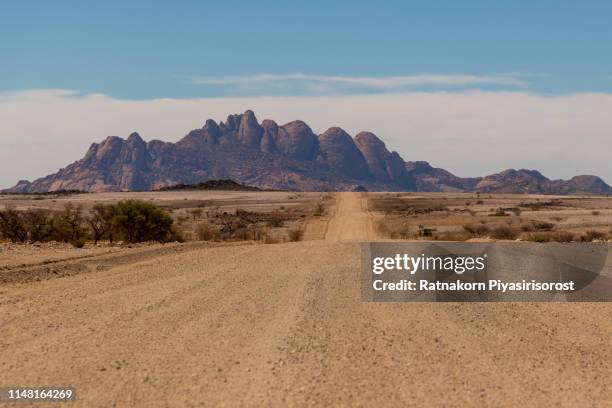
(289, 156)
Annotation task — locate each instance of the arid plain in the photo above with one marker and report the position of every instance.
(273, 315)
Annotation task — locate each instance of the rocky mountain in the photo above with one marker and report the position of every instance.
(272, 156)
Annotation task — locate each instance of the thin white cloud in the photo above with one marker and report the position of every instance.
(383, 82)
(469, 133)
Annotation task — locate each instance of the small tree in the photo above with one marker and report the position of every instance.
(138, 221)
(100, 222)
(38, 223)
(12, 226)
(68, 224)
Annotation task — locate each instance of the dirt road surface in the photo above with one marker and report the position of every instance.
(351, 220)
(284, 325)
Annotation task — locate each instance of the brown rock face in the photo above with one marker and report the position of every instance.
(209, 135)
(280, 157)
(339, 151)
(428, 178)
(383, 164)
(249, 132)
(270, 134)
(585, 184)
(109, 150)
(297, 141)
(134, 151)
(212, 133)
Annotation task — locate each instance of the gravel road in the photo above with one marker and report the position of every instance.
(284, 325)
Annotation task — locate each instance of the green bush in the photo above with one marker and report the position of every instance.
(139, 221)
(78, 243)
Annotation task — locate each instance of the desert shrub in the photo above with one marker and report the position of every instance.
(196, 213)
(176, 234)
(275, 220)
(499, 212)
(394, 229)
(257, 233)
(100, 222)
(39, 224)
(295, 235)
(319, 209)
(68, 225)
(516, 211)
(479, 202)
(543, 225)
(270, 240)
(242, 213)
(538, 205)
(563, 236)
(593, 235)
(504, 232)
(595, 213)
(538, 237)
(138, 221)
(232, 227)
(477, 230)
(12, 226)
(240, 234)
(527, 228)
(452, 236)
(401, 232)
(78, 243)
(205, 232)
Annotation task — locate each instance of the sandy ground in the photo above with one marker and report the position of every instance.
(573, 214)
(284, 325)
(20, 255)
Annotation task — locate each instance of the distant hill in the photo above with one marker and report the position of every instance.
(283, 157)
(225, 185)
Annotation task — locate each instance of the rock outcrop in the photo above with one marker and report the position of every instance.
(290, 156)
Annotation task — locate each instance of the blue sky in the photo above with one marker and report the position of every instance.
(148, 49)
(474, 87)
